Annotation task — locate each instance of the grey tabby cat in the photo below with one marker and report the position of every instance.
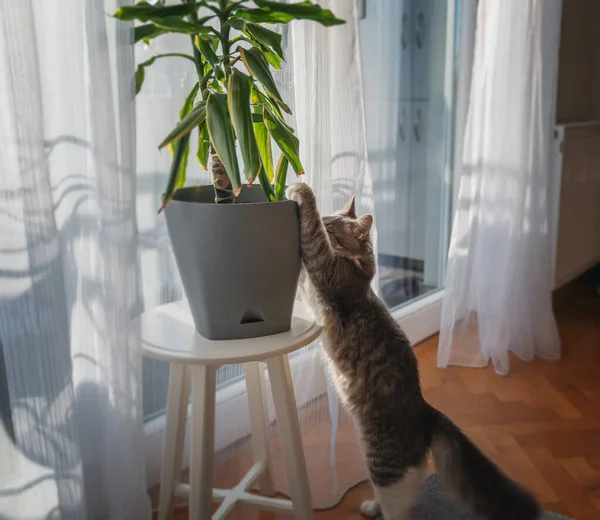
(375, 373)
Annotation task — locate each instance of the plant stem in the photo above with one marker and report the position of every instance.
(225, 43)
(204, 83)
(224, 35)
(198, 60)
(220, 180)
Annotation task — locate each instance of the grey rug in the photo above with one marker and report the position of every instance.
(436, 504)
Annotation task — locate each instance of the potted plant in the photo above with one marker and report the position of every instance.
(237, 245)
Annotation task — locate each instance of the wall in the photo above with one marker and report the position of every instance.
(578, 96)
(578, 141)
(578, 242)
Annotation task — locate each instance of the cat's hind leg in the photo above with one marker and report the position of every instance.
(396, 500)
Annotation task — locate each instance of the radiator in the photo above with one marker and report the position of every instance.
(576, 200)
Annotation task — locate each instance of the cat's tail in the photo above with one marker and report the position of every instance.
(475, 480)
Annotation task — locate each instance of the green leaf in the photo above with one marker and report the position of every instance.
(276, 12)
(265, 36)
(140, 73)
(146, 32)
(257, 65)
(266, 186)
(281, 177)
(150, 31)
(150, 61)
(258, 35)
(270, 55)
(237, 23)
(272, 58)
(258, 98)
(144, 11)
(181, 150)
(204, 19)
(178, 165)
(211, 38)
(263, 16)
(286, 140)
(238, 99)
(186, 108)
(206, 50)
(194, 118)
(263, 140)
(174, 24)
(188, 104)
(215, 85)
(210, 56)
(222, 138)
(183, 167)
(203, 145)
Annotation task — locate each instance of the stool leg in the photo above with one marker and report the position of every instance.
(202, 442)
(177, 407)
(291, 441)
(259, 424)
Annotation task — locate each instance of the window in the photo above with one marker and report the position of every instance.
(407, 52)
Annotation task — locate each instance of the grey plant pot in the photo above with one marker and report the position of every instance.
(239, 263)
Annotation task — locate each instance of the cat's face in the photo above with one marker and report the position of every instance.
(349, 234)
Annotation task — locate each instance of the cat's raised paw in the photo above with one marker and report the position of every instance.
(370, 508)
(299, 192)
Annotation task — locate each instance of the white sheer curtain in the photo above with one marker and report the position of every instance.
(82, 252)
(329, 114)
(498, 284)
(68, 278)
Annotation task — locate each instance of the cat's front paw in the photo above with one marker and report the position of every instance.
(299, 193)
(370, 508)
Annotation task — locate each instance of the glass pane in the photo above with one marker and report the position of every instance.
(408, 94)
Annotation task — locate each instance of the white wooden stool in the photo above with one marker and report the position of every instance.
(168, 334)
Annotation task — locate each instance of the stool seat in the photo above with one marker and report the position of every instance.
(168, 334)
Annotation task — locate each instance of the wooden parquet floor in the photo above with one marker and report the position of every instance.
(541, 424)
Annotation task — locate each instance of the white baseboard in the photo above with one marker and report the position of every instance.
(565, 278)
(421, 319)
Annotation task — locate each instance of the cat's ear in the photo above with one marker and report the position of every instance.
(350, 209)
(363, 226)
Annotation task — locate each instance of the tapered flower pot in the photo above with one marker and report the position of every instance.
(239, 263)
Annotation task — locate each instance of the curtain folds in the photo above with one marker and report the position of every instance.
(82, 252)
(69, 284)
(498, 283)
